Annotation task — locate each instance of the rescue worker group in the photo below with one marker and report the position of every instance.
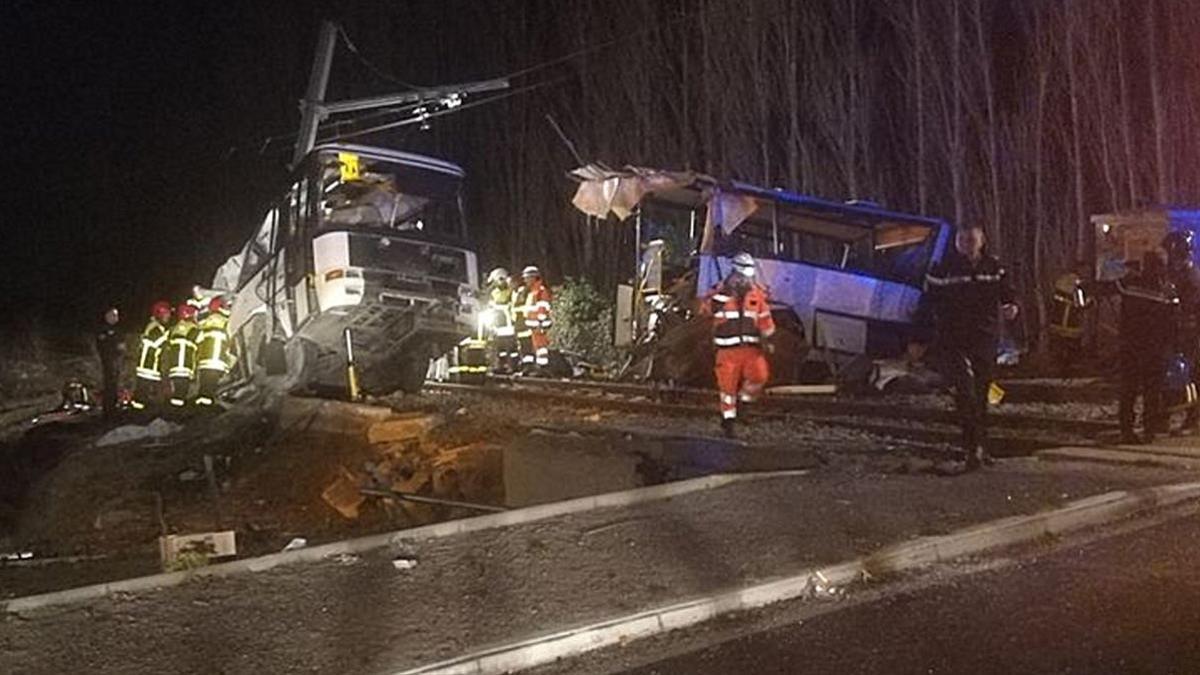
(183, 355)
(186, 352)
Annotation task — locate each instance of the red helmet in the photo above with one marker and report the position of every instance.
(219, 304)
(185, 312)
(161, 310)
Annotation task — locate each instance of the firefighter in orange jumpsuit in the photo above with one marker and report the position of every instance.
(742, 328)
(536, 311)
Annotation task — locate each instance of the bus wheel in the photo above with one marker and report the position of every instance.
(301, 357)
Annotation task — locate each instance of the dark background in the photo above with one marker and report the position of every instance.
(144, 139)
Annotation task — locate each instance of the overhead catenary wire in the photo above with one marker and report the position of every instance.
(376, 70)
(408, 121)
(516, 74)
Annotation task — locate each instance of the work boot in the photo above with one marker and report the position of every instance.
(727, 428)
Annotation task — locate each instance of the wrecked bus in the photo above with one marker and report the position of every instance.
(369, 239)
(852, 273)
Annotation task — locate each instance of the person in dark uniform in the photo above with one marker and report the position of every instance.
(111, 348)
(966, 293)
(1148, 313)
(1183, 275)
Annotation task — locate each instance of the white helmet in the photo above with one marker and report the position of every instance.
(531, 271)
(743, 264)
(497, 275)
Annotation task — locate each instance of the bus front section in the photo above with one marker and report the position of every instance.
(389, 261)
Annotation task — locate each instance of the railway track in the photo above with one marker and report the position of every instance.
(1016, 433)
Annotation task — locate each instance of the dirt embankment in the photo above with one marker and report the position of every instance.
(263, 476)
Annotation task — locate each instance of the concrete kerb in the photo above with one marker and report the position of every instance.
(1077, 515)
(324, 552)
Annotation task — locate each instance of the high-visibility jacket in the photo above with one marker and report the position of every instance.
(212, 343)
(181, 349)
(740, 319)
(961, 303)
(517, 311)
(536, 309)
(154, 336)
(500, 302)
(1070, 301)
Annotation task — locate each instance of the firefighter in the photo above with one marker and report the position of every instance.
(1072, 303)
(111, 348)
(966, 293)
(1183, 275)
(742, 329)
(149, 367)
(502, 331)
(212, 350)
(535, 311)
(524, 360)
(1148, 312)
(181, 354)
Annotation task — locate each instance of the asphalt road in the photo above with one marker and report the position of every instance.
(1128, 604)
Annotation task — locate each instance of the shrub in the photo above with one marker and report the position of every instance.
(583, 323)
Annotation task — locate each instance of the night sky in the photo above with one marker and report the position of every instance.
(144, 138)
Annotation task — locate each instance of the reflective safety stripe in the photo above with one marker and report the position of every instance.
(736, 340)
(735, 314)
(214, 364)
(527, 358)
(533, 323)
(137, 405)
(728, 399)
(729, 414)
(721, 298)
(203, 400)
(964, 279)
(542, 304)
(151, 375)
(178, 402)
(505, 331)
(184, 373)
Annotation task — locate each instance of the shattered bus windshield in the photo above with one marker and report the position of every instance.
(411, 201)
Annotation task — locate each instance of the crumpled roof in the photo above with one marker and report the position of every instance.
(604, 191)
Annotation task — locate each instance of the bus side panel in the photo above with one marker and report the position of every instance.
(839, 308)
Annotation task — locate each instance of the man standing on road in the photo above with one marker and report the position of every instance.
(1147, 307)
(111, 347)
(966, 293)
(1183, 275)
(742, 329)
